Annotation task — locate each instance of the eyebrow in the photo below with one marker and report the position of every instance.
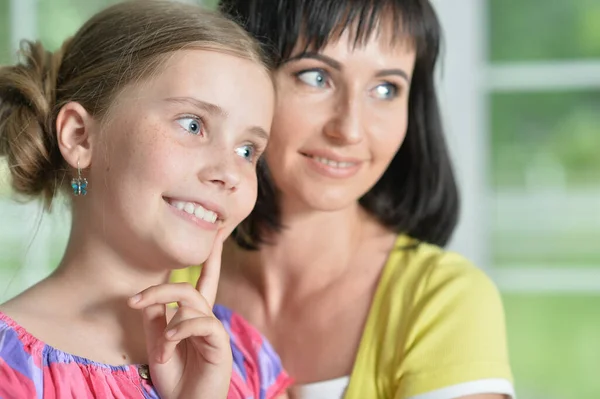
(393, 71)
(259, 132)
(214, 109)
(316, 56)
(338, 65)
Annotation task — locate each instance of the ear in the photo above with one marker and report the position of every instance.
(73, 127)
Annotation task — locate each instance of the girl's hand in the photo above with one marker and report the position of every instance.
(189, 355)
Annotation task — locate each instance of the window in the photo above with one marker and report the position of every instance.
(521, 90)
(544, 93)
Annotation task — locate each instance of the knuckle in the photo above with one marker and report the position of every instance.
(184, 286)
(152, 288)
(186, 312)
(151, 310)
(205, 307)
(218, 327)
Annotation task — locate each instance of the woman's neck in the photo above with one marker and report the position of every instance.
(316, 237)
(312, 251)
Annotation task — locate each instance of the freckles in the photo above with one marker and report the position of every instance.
(150, 140)
(155, 132)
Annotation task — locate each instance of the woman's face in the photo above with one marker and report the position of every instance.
(340, 117)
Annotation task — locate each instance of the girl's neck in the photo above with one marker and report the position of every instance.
(95, 275)
(82, 307)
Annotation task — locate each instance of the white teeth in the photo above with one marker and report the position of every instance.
(197, 210)
(189, 208)
(209, 216)
(334, 164)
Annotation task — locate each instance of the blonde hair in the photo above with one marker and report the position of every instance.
(119, 46)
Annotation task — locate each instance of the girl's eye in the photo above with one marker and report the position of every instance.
(192, 125)
(247, 152)
(385, 91)
(313, 77)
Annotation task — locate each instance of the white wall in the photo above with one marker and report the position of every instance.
(463, 104)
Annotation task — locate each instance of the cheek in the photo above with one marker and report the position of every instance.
(295, 119)
(390, 145)
(280, 134)
(135, 162)
(246, 198)
(389, 134)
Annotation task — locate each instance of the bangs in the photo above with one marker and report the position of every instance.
(406, 198)
(315, 23)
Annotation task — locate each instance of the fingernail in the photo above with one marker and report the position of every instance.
(171, 333)
(135, 298)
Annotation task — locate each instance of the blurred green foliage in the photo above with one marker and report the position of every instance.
(534, 30)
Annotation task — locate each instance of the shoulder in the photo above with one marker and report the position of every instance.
(426, 286)
(452, 275)
(433, 274)
(19, 364)
(447, 318)
(256, 366)
(452, 293)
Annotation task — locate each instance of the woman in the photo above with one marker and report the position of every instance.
(340, 263)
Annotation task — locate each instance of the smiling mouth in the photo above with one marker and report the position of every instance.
(195, 209)
(331, 162)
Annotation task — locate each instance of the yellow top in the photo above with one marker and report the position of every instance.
(435, 329)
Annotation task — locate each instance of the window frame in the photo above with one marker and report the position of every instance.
(467, 82)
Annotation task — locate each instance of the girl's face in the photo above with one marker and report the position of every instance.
(340, 117)
(176, 159)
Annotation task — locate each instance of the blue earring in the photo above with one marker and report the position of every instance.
(79, 184)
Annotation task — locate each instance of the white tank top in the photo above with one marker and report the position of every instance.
(329, 389)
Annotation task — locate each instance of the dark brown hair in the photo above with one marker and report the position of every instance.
(119, 46)
(417, 194)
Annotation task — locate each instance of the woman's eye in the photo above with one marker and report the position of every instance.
(192, 125)
(385, 91)
(246, 151)
(313, 77)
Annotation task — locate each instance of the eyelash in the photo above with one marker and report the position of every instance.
(196, 119)
(396, 89)
(256, 149)
(256, 152)
(314, 70)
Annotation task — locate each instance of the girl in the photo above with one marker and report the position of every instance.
(341, 262)
(149, 118)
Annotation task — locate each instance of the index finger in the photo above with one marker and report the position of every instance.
(208, 282)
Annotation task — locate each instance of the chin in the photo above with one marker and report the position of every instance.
(188, 255)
